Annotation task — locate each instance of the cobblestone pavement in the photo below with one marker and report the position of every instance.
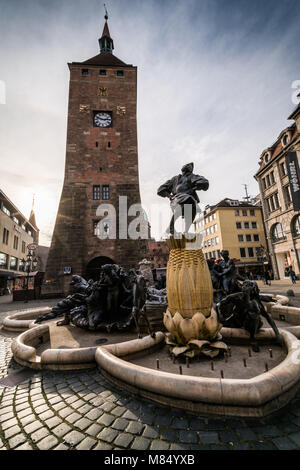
(82, 410)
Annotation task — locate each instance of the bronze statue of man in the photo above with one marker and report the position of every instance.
(181, 190)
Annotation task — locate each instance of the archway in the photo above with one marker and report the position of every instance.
(92, 270)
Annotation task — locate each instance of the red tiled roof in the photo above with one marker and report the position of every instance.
(105, 59)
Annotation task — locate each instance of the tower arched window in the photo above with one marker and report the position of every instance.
(277, 232)
(295, 226)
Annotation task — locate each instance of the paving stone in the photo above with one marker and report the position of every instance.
(135, 427)
(120, 424)
(268, 431)
(94, 414)
(108, 407)
(94, 429)
(47, 443)
(10, 423)
(6, 416)
(41, 409)
(86, 444)
(12, 431)
(123, 440)
(25, 446)
(39, 434)
(228, 436)
(118, 411)
(130, 415)
(216, 425)
(73, 417)
(163, 420)
(52, 422)
(26, 412)
(17, 440)
(83, 423)
(107, 435)
(85, 409)
(295, 438)
(168, 434)
(283, 443)
(140, 443)
(188, 436)
(264, 445)
(209, 438)
(102, 446)
(30, 428)
(46, 415)
(247, 434)
(178, 446)
(159, 445)
(61, 447)
(150, 432)
(180, 423)
(27, 419)
(65, 412)
(73, 438)
(61, 430)
(106, 419)
(197, 425)
(241, 446)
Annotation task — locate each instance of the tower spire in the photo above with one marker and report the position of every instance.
(105, 42)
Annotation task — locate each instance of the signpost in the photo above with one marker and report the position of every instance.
(294, 178)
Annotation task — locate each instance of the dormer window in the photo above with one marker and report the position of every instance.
(267, 157)
(286, 139)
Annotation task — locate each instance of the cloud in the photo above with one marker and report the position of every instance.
(214, 87)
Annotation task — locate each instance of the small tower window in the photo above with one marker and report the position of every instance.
(96, 192)
(97, 144)
(102, 72)
(84, 71)
(108, 145)
(120, 73)
(105, 192)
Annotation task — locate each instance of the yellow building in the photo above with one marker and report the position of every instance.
(237, 227)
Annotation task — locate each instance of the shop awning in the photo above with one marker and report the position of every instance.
(34, 273)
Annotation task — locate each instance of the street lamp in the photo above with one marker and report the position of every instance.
(30, 264)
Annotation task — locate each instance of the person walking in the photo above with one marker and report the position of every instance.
(268, 278)
(292, 275)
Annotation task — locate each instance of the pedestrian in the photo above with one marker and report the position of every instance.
(268, 278)
(292, 275)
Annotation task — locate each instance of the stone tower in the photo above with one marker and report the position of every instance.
(101, 165)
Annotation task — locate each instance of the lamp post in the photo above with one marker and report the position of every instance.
(30, 264)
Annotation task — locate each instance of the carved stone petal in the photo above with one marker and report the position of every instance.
(177, 319)
(187, 329)
(199, 343)
(212, 325)
(219, 345)
(198, 321)
(179, 350)
(210, 352)
(168, 322)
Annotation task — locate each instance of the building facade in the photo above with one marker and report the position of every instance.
(282, 221)
(101, 166)
(237, 227)
(16, 233)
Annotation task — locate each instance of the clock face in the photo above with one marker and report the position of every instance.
(102, 119)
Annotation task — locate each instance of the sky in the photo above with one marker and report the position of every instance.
(215, 84)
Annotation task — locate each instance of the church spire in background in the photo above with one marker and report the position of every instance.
(105, 42)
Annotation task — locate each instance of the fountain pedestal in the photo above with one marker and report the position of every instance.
(192, 324)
